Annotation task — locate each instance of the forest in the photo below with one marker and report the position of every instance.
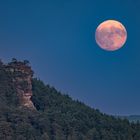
(57, 116)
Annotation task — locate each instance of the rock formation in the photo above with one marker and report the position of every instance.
(22, 79)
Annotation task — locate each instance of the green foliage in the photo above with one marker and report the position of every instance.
(26, 62)
(14, 60)
(58, 117)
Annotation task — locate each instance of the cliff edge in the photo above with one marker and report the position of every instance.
(22, 79)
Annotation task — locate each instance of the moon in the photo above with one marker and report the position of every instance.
(111, 35)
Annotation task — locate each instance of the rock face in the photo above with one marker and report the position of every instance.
(22, 80)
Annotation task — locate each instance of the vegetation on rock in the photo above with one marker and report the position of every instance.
(57, 117)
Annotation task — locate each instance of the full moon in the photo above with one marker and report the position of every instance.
(111, 35)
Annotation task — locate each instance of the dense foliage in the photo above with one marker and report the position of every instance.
(58, 117)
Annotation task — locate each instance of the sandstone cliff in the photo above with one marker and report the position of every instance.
(22, 79)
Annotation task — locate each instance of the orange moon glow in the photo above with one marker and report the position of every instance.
(110, 35)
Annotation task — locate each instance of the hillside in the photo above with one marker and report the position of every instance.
(53, 116)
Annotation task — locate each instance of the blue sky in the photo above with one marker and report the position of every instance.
(57, 37)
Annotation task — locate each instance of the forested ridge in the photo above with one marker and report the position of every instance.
(57, 116)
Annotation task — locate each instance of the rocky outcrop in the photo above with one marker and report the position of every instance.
(22, 79)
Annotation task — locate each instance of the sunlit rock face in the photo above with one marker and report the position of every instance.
(22, 80)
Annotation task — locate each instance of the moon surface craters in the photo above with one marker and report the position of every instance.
(110, 36)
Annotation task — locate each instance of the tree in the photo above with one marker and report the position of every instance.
(26, 62)
(14, 60)
(1, 63)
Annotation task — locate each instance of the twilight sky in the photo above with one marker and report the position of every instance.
(57, 37)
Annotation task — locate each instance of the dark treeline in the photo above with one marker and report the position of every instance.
(58, 117)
